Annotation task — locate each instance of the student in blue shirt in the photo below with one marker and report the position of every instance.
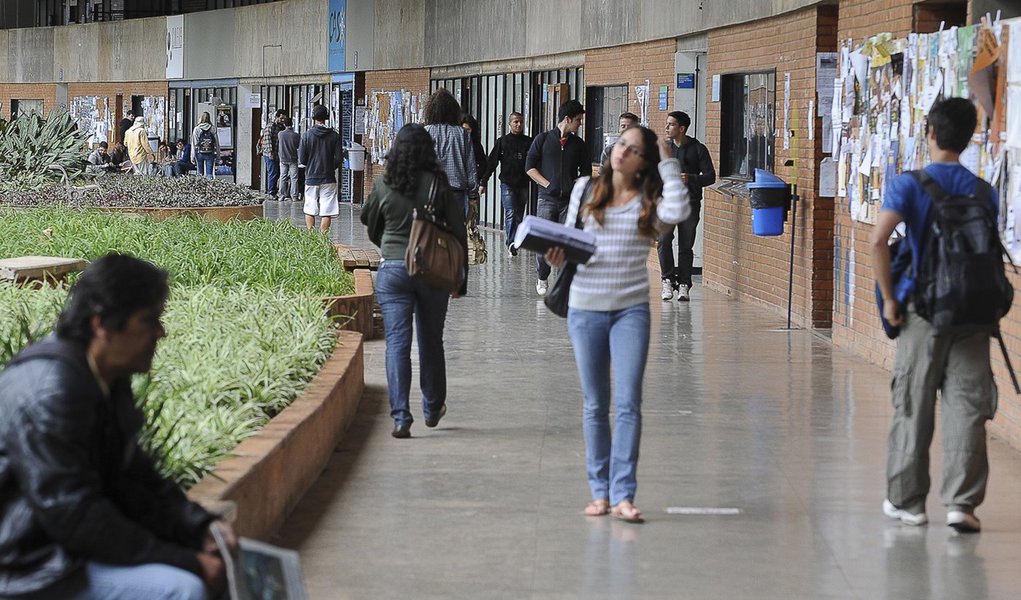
(955, 364)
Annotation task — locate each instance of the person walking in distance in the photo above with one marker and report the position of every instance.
(139, 150)
(205, 147)
(453, 144)
(608, 319)
(555, 160)
(509, 154)
(625, 120)
(269, 146)
(412, 173)
(956, 364)
(697, 172)
(471, 125)
(288, 141)
(321, 151)
(125, 125)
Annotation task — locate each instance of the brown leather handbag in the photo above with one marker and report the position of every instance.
(434, 255)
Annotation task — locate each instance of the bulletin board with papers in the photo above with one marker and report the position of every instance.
(883, 91)
(92, 114)
(386, 112)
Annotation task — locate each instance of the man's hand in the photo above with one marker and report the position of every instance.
(892, 312)
(556, 257)
(665, 151)
(214, 573)
(684, 178)
(482, 190)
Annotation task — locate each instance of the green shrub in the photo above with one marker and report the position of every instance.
(131, 191)
(232, 359)
(259, 253)
(29, 144)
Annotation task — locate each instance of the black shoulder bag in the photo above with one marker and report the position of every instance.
(557, 296)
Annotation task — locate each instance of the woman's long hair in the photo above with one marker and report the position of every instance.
(470, 121)
(649, 183)
(442, 109)
(412, 153)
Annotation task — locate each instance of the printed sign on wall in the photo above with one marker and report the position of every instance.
(175, 47)
(337, 36)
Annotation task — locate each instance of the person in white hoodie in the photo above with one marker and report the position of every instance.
(205, 148)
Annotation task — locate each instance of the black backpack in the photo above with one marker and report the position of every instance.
(207, 143)
(961, 285)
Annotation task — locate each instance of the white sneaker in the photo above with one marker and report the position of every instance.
(682, 293)
(541, 286)
(963, 522)
(904, 516)
(668, 290)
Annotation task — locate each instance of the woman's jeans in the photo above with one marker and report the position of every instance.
(97, 581)
(617, 339)
(514, 201)
(401, 296)
(205, 164)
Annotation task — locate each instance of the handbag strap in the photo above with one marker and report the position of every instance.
(582, 202)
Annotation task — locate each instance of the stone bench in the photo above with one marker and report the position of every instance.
(24, 269)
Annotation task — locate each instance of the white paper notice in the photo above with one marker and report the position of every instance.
(787, 111)
(860, 64)
(716, 88)
(828, 177)
(811, 120)
(1014, 115)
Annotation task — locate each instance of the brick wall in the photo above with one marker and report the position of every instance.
(110, 91)
(737, 262)
(855, 318)
(47, 92)
(634, 65)
(415, 81)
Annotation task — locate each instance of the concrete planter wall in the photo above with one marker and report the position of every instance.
(268, 473)
(213, 213)
(357, 306)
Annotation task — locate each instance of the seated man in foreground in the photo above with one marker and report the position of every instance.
(83, 512)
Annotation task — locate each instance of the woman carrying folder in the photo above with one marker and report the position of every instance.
(635, 198)
(411, 167)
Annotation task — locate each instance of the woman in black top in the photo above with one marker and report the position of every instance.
(411, 168)
(481, 166)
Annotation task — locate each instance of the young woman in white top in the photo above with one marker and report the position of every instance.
(634, 199)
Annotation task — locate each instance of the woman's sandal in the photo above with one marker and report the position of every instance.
(597, 508)
(625, 511)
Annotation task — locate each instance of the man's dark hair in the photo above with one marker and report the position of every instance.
(954, 121)
(104, 145)
(682, 118)
(442, 109)
(630, 116)
(570, 110)
(288, 122)
(279, 113)
(113, 287)
(320, 113)
(473, 124)
(517, 114)
(131, 114)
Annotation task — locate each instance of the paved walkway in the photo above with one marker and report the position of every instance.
(780, 427)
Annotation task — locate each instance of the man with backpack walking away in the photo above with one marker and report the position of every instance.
(947, 309)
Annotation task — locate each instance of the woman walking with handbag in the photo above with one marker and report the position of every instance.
(608, 309)
(413, 180)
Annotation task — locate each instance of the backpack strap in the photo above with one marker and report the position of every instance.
(1006, 360)
(929, 185)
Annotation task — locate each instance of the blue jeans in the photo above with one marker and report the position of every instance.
(401, 296)
(617, 339)
(272, 175)
(462, 198)
(551, 210)
(514, 202)
(97, 581)
(205, 164)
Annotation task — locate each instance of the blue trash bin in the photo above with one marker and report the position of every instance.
(769, 200)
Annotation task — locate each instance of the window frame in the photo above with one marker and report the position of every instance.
(735, 102)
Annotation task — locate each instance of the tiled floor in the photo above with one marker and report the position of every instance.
(738, 414)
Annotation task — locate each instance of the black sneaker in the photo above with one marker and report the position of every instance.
(433, 422)
(401, 430)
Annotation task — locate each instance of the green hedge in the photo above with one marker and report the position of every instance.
(259, 253)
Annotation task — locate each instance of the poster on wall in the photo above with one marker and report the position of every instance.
(386, 113)
(175, 47)
(225, 126)
(337, 36)
(154, 109)
(92, 115)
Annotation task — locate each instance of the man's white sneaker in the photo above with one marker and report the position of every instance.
(963, 522)
(682, 293)
(904, 516)
(541, 286)
(668, 290)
